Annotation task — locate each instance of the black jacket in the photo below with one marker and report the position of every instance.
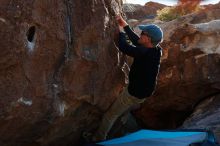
(145, 67)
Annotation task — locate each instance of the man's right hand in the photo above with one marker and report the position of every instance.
(121, 21)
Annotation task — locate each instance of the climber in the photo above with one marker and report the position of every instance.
(146, 53)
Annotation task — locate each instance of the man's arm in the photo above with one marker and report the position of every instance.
(131, 34)
(128, 49)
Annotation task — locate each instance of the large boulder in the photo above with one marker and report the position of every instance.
(60, 69)
(205, 116)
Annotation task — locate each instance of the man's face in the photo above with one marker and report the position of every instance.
(144, 39)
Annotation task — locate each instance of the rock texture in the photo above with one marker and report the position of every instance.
(205, 116)
(209, 13)
(59, 69)
(190, 70)
(149, 10)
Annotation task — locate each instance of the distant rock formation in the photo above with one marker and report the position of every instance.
(148, 11)
(208, 13)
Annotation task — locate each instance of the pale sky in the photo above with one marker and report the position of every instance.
(166, 2)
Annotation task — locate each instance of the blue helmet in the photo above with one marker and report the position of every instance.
(153, 31)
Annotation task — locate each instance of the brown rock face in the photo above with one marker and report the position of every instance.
(59, 65)
(208, 13)
(190, 72)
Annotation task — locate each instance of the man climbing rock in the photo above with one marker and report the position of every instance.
(146, 53)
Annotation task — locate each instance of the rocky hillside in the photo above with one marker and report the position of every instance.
(189, 79)
(149, 10)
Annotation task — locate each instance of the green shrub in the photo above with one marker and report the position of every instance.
(167, 14)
